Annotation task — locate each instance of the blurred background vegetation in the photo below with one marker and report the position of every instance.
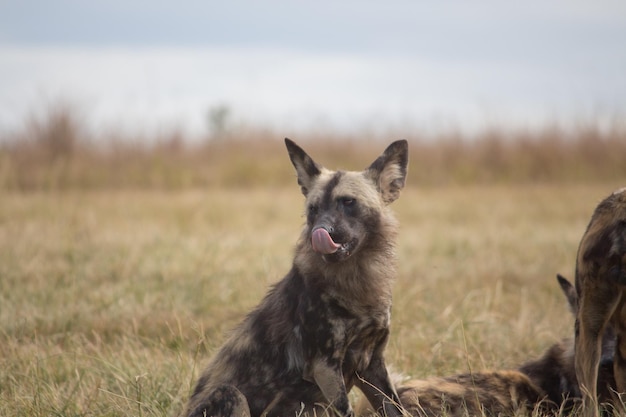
(55, 151)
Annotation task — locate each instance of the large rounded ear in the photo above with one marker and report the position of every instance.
(389, 170)
(570, 293)
(306, 168)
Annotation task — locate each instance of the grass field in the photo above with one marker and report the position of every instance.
(112, 301)
(123, 264)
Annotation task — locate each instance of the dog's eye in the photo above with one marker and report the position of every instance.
(348, 202)
(312, 210)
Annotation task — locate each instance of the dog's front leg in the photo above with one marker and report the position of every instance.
(619, 358)
(374, 382)
(379, 390)
(329, 379)
(597, 305)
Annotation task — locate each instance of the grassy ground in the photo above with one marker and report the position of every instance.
(112, 301)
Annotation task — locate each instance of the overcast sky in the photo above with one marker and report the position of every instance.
(145, 65)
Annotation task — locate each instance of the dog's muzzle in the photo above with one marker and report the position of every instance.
(322, 242)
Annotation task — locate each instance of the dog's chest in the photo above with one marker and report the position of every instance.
(361, 342)
(345, 335)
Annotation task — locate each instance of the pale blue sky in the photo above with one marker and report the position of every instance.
(145, 65)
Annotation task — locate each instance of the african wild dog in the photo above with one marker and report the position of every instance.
(601, 288)
(323, 328)
(473, 394)
(544, 385)
(555, 372)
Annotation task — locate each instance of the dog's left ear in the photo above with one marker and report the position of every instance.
(389, 170)
(306, 168)
(570, 293)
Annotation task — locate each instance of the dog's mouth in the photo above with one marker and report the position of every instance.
(323, 243)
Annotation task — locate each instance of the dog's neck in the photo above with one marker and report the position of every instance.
(364, 279)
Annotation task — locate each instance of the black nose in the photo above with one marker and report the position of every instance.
(324, 223)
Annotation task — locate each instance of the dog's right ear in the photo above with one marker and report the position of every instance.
(306, 168)
(570, 293)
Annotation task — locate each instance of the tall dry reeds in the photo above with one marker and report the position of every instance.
(57, 152)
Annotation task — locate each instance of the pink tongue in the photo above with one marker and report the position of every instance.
(322, 242)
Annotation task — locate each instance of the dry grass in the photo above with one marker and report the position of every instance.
(55, 152)
(111, 301)
(125, 263)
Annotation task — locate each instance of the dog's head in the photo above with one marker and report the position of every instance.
(344, 208)
(602, 250)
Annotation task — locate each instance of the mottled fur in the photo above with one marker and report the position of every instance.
(323, 328)
(547, 384)
(555, 373)
(601, 288)
(481, 393)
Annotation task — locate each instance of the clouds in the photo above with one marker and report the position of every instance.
(365, 26)
(288, 63)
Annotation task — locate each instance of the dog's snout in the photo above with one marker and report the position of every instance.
(325, 223)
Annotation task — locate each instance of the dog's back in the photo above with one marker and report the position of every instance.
(476, 394)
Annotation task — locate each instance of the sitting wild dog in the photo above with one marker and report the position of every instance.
(323, 328)
(544, 385)
(601, 287)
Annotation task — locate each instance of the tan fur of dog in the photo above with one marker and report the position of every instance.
(601, 288)
(323, 328)
(543, 386)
